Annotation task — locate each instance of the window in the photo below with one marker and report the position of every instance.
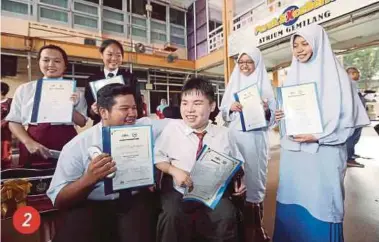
(158, 36)
(177, 35)
(158, 26)
(54, 15)
(214, 25)
(84, 21)
(92, 1)
(113, 27)
(59, 3)
(14, 7)
(159, 12)
(139, 32)
(117, 4)
(113, 15)
(140, 74)
(85, 8)
(138, 7)
(139, 21)
(176, 17)
(177, 40)
(177, 31)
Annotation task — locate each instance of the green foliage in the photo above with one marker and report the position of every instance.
(367, 61)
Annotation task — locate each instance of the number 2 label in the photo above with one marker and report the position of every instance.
(26, 220)
(28, 217)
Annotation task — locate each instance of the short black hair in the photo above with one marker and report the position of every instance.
(109, 42)
(352, 68)
(214, 114)
(199, 85)
(106, 95)
(54, 47)
(4, 88)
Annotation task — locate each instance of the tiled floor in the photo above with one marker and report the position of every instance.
(361, 185)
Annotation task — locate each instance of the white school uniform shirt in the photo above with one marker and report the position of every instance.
(74, 160)
(106, 72)
(178, 145)
(23, 102)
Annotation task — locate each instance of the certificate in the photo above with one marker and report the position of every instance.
(52, 103)
(253, 114)
(97, 85)
(131, 147)
(301, 109)
(211, 176)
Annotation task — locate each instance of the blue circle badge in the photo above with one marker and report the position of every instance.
(288, 12)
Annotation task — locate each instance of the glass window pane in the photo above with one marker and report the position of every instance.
(177, 40)
(88, 22)
(176, 30)
(117, 4)
(92, 1)
(201, 34)
(176, 17)
(113, 27)
(202, 49)
(85, 8)
(54, 15)
(14, 7)
(139, 32)
(139, 7)
(158, 26)
(200, 5)
(190, 41)
(113, 15)
(139, 21)
(158, 36)
(60, 3)
(201, 18)
(159, 12)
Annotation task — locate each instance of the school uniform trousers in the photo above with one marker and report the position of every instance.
(130, 218)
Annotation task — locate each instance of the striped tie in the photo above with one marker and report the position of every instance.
(200, 145)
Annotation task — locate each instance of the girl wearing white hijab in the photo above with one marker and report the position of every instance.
(253, 145)
(312, 167)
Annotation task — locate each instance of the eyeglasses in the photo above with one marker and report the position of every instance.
(245, 63)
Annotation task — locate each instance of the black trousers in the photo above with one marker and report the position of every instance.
(121, 220)
(175, 223)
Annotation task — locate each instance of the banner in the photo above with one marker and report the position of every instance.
(290, 19)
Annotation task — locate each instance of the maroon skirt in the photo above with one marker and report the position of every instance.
(53, 137)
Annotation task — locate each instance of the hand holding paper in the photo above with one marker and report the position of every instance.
(36, 148)
(301, 109)
(97, 85)
(132, 149)
(211, 175)
(279, 115)
(236, 107)
(252, 114)
(75, 98)
(239, 189)
(101, 166)
(53, 101)
(181, 178)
